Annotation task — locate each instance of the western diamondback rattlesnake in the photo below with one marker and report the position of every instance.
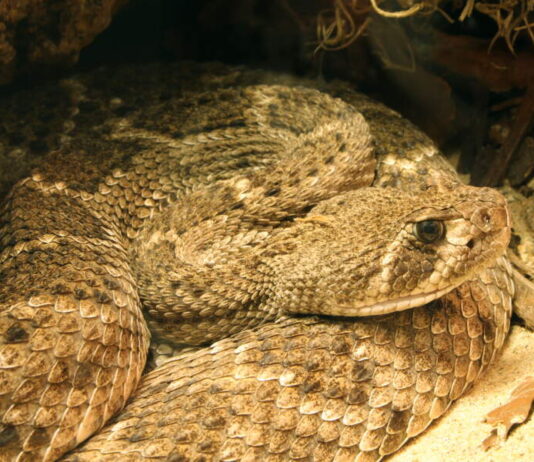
(234, 208)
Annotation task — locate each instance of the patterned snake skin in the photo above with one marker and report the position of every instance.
(228, 205)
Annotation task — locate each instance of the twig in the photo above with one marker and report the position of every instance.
(523, 120)
(398, 14)
(468, 9)
(506, 104)
(342, 31)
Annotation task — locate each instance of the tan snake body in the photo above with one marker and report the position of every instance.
(232, 208)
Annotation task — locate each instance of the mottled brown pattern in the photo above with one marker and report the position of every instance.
(225, 207)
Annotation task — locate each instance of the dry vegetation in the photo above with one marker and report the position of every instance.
(339, 26)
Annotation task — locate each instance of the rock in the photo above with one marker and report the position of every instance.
(34, 33)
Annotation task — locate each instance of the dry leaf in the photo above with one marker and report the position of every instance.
(515, 411)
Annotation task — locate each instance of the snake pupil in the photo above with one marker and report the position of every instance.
(429, 231)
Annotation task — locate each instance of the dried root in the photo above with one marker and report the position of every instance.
(340, 26)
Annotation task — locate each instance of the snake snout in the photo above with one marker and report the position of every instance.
(491, 219)
(494, 220)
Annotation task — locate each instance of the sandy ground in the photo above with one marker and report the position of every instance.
(459, 434)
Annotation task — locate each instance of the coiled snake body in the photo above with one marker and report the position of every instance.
(233, 206)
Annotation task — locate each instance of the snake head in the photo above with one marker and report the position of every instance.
(375, 251)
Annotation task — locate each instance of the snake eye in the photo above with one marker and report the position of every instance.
(429, 231)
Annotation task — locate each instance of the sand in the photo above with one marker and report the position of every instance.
(458, 435)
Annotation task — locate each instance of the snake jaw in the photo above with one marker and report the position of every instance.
(398, 304)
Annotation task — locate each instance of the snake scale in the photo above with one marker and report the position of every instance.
(341, 283)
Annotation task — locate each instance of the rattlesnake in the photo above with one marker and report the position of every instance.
(245, 205)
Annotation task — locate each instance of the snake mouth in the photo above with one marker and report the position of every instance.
(399, 304)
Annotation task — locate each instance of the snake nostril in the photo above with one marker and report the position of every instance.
(483, 219)
(470, 244)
